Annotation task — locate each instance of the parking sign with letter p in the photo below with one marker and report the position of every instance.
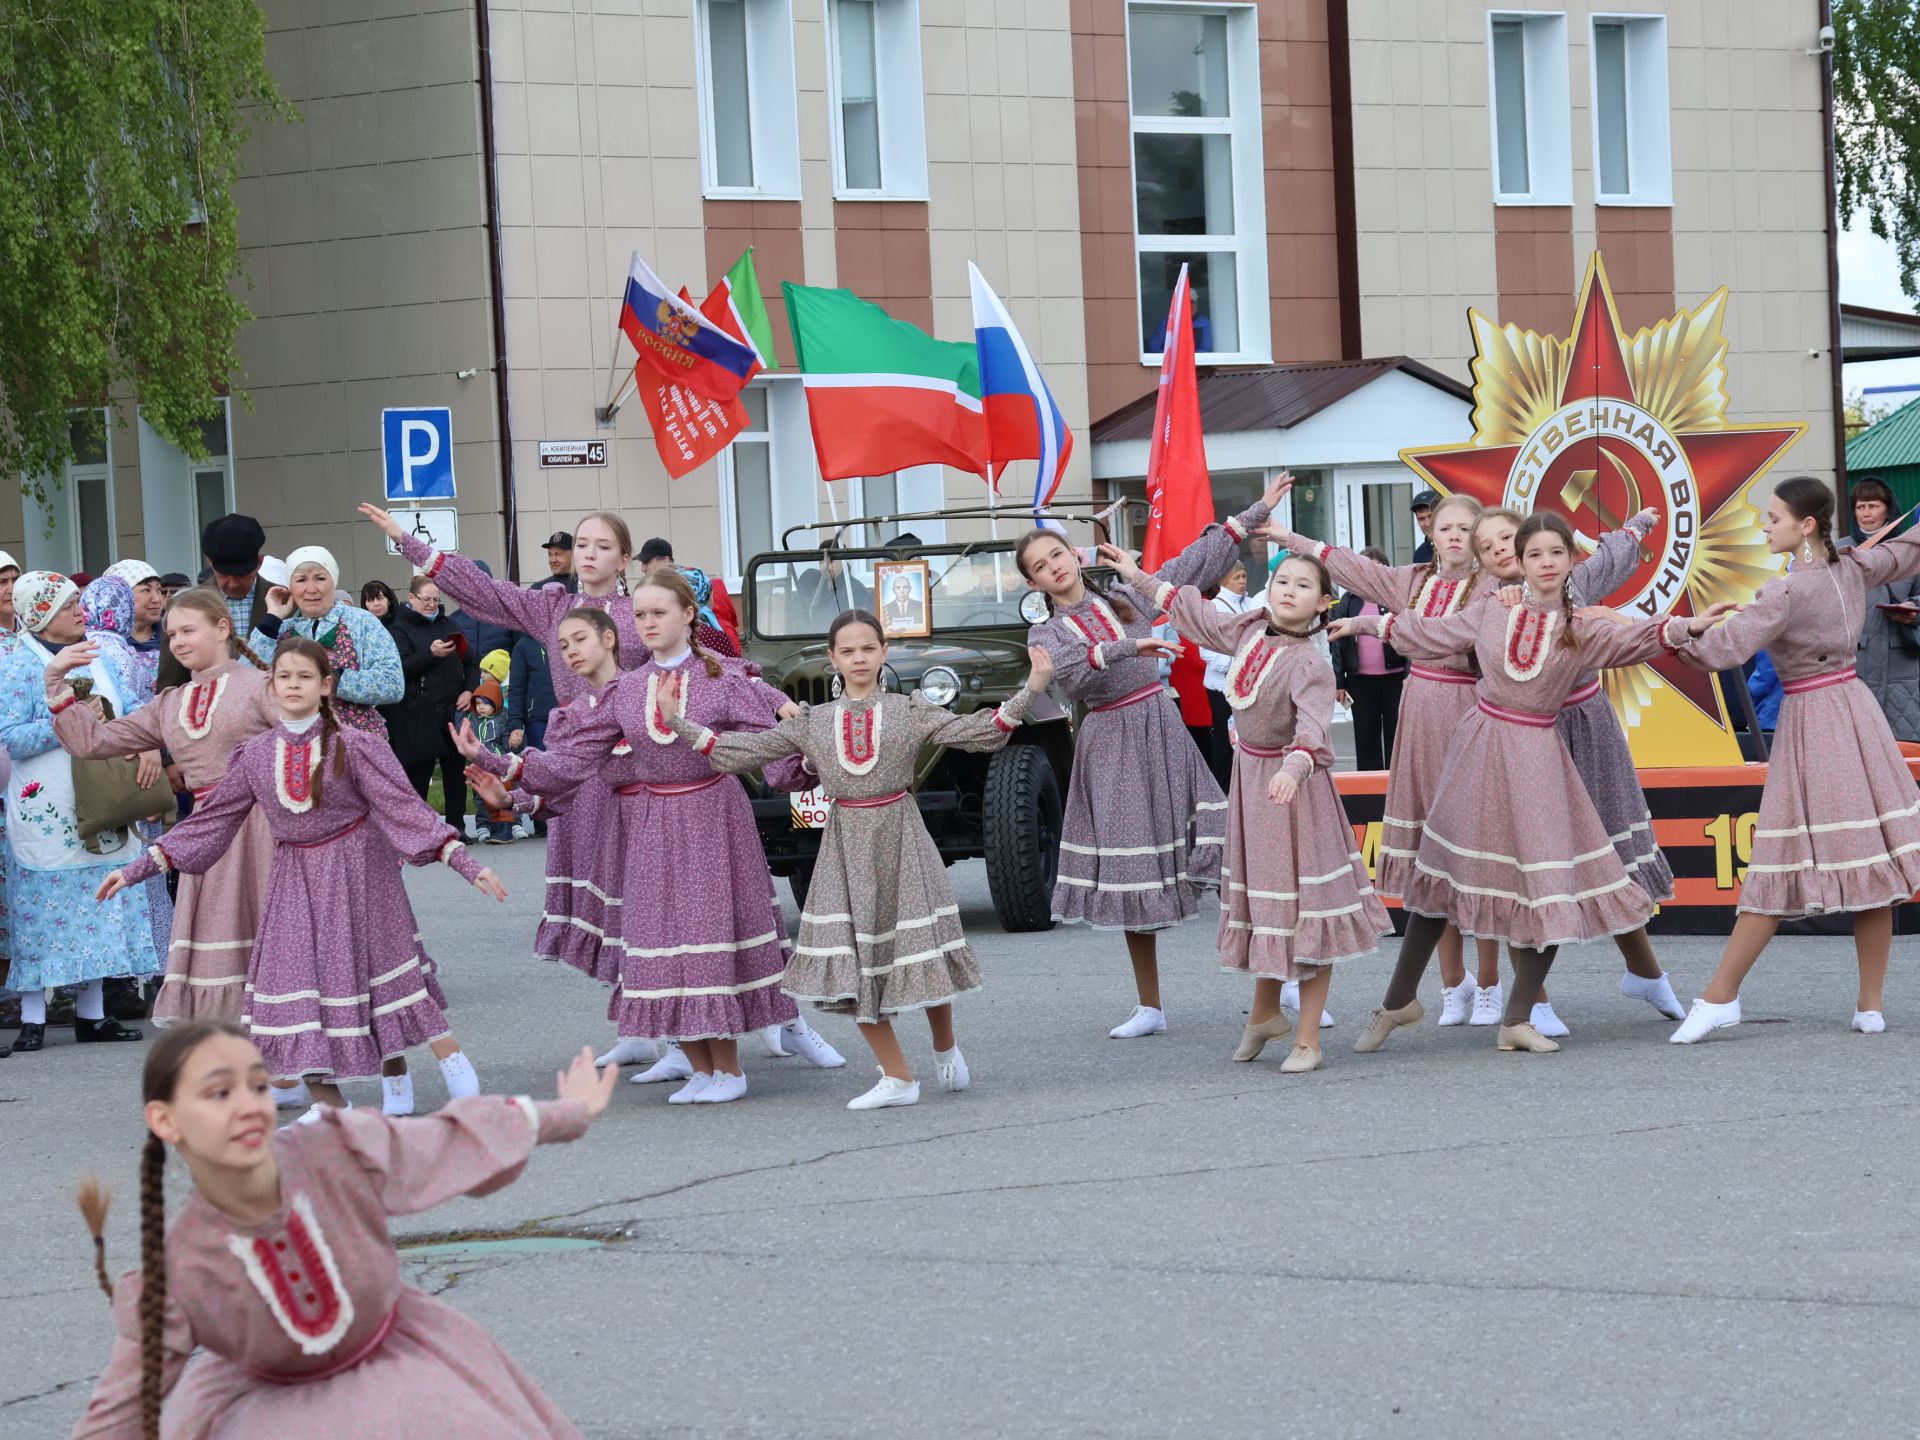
(418, 448)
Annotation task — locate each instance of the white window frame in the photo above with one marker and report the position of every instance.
(1242, 124)
(773, 118)
(793, 479)
(1549, 109)
(54, 540)
(900, 101)
(1649, 110)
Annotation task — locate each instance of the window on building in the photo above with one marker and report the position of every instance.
(1198, 183)
(213, 477)
(1632, 156)
(1530, 109)
(768, 478)
(878, 109)
(74, 530)
(748, 119)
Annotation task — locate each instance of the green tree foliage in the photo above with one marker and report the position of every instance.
(121, 123)
(1876, 91)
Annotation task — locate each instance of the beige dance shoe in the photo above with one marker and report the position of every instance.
(1303, 1059)
(1524, 1037)
(1384, 1023)
(1255, 1037)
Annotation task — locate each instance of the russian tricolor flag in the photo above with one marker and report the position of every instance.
(679, 342)
(1023, 423)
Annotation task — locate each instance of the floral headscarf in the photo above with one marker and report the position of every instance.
(107, 607)
(38, 596)
(701, 584)
(134, 572)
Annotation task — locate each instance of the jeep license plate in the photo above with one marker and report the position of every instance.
(810, 809)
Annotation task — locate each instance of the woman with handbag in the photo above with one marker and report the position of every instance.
(58, 937)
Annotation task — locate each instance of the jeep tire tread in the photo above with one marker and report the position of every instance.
(1020, 821)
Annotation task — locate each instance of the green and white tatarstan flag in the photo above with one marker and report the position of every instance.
(883, 394)
(749, 310)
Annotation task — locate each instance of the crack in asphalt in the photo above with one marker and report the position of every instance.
(43, 1394)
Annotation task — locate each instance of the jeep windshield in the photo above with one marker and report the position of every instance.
(798, 594)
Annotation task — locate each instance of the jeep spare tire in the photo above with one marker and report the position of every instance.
(1020, 820)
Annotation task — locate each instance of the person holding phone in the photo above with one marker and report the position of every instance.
(1887, 654)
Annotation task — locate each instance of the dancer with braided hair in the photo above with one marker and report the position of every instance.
(1512, 848)
(1437, 696)
(1821, 847)
(338, 982)
(280, 1269)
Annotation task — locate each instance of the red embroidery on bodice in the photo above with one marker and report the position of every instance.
(299, 1276)
(857, 736)
(296, 772)
(1527, 642)
(1438, 599)
(200, 706)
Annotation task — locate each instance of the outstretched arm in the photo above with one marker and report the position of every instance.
(1614, 559)
(1416, 636)
(1893, 559)
(200, 841)
(739, 751)
(1736, 639)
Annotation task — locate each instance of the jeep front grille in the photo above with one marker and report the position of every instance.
(809, 691)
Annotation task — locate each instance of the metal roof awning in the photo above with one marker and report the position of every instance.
(1869, 334)
(1273, 397)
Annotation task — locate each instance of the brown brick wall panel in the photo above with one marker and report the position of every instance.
(884, 253)
(772, 227)
(1637, 243)
(1533, 258)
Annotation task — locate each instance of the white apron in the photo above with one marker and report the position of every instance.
(40, 805)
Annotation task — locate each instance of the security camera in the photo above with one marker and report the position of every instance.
(1826, 39)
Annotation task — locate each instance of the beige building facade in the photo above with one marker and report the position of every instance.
(450, 222)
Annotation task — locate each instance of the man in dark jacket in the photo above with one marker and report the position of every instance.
(441, 671)
(1422, 508)
(530, 697)
(483, 636)
(233, 546)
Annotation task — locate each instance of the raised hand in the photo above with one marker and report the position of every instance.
(1122, 561)
(1154, 648)
(1282, 788)
(1345, 626)
(580, 1081)
(489, 787)
(69, 659)
(1041, 676)
(1650, 515)
(1277, 491)
(464, 740)
(1512, 595)
(488, 883)
(384, 520)
(279, 601)
(1711, 616)
(1276, 531)
(115, 882)
(669, 692)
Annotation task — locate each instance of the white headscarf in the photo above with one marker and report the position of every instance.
(314, 555)
(134, 572)
(38, 596)
(7, 562)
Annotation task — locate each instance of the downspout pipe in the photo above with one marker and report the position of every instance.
(1835, 355)
(490, 159)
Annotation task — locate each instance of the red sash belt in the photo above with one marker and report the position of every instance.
(1517, 717)
(643, 787)
(874, 802)
(323, 840)
(1445, 677)
(1585, 693)
(362, 1351)
(1817, 682)
(1145, 693)
(206, 790)
(1265, 753)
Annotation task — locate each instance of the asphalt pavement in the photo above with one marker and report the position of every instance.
(1106, 1238)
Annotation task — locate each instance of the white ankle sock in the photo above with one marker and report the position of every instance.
(462, 1081)
(33, 1008)
(91, 1002)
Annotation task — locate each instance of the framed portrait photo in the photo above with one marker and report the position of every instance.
(900, 592)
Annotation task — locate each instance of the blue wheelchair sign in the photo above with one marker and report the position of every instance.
(418, 445)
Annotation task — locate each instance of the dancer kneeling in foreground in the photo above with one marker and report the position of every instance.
(279, 1267)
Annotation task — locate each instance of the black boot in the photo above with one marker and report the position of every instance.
(30, 1038)
(124, 1000)
(94, 1032)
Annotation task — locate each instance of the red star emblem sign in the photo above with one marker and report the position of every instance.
(1600, 426)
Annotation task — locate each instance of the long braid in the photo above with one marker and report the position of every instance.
(93, 1198)
(1567, 637)
(153, 1275)
(714, 668)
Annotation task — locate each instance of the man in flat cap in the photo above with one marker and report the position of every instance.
(233, 546)
(559, 562)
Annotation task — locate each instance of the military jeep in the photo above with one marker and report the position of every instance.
(975, 611)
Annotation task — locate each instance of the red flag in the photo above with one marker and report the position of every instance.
(1179, 492)
(689, 429)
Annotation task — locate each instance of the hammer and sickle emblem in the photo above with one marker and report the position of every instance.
(1578, 493)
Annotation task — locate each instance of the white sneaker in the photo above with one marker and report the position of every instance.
(803, 1040)
(1704, 1019)
(1457, 1002)
(1869, 1022)
(770, 1036)
(692, 1090)
(889, 1092)
(1548, 1023)
(1143, 1021)
(722, 1088)
(315, 1111)
(291, 1097)
(1489, 1004)
(629, 1050)
(396, 1094)
(673, 1065)
(1657, 992)
(952, 1066)
(1290, 1000)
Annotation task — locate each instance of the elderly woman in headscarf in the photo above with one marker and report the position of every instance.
(108, 608)
(60, 937)
(366, 664)
(148, 636)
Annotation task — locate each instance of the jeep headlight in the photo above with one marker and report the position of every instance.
(1034, 608)
(939, 685)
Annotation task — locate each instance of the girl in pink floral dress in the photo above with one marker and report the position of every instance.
(280, 1271)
